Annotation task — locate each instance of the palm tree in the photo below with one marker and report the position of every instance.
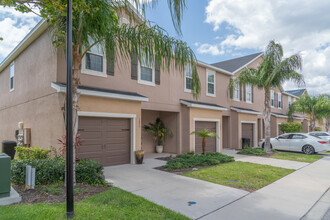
(271, 73)
(96, 23)
(204, 134)
(316, 107)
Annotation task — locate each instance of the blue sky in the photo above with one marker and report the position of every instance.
(223, 29)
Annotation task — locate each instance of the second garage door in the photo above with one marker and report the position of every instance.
(106, 140)
(247, 132)
(210, 142)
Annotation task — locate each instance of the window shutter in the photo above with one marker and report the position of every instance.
(244, 92)
(157, 72)
(134, 66)
(252, 94)
(275, 100)
(231, 91)
(281, 101)
(111, 66)
(240, 92)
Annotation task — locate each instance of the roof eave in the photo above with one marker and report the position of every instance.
(40, 28)
(201, 63)
(197, 105)
(245, 111)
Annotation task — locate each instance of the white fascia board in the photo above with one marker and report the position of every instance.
(62, 89)
(201, 63)
(28, 39)
(296, 117)
(279, 116)
(245, 111)
(197, 105)
(234, 72)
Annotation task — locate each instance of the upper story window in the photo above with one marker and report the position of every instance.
(248, 92)
(289, 101)
(210, 83)
(279, 95)
(146, 71)
(94, 62)
(236, 94)
(188, 79)
(272, 98)
(11, 77)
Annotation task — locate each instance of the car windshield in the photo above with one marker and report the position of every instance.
(321, 134)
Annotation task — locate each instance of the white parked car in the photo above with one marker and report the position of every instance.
(300, 142)
(321, 134)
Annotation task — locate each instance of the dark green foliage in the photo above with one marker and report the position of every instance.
(49, 171)
(31, 153)
(291, 127)
(90, 172)
(253, 151)
(193, 160)
(318, 129)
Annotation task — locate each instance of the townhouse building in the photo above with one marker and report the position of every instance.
(117, 99)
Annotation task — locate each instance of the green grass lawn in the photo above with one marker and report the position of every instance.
(112, 204)
(244, 175)
(296, 157)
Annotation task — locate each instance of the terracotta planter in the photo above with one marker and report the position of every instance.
(139, 154)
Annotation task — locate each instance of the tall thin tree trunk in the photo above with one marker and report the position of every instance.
(204, 145)
(327, 124)
(267, 115)
(313, 120)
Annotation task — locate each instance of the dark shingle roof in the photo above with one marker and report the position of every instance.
(105, 90)
(296, 92)
(234, 64)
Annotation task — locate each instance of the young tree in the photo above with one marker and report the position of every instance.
(313, 106)
(95, 22)
(271, 73)
(204, 134)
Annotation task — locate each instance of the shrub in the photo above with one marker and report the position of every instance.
(317, 129)
(291, 127)
(90, 172)
(253, 151)
(24, 153)
(193, 160)
(50, 171)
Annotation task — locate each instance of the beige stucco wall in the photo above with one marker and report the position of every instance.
(197, 113)
(33, 101)
(97, 104)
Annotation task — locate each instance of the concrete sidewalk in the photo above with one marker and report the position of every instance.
(288, 164)
(288, 198)
(171, 190)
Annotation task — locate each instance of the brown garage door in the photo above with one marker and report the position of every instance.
(106, 140)
(247, 132)
(210, 142)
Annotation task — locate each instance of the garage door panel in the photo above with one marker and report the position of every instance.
(210, 142)
(106, 140)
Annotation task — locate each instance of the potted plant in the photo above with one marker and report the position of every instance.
(139, 154)
(159, 130)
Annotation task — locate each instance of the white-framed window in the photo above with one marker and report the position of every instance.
(272, 98)
(187, 79)
(11, 77)
(248, 92)
(210, 83)
(146, 71)
(289, 101)
(236, 93)
(94, 62)
(279, 96)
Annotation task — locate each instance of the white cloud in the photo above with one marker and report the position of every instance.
(14, 27)
(301, 26)
(209, 49)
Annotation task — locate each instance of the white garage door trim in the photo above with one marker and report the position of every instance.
(116, 115)
(218, 146)
(254, 132)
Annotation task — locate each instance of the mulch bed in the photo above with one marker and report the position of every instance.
(33, 196)
(166, 158)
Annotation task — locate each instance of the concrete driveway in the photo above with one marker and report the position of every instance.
(171, 190)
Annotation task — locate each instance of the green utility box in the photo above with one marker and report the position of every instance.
(4, 175)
